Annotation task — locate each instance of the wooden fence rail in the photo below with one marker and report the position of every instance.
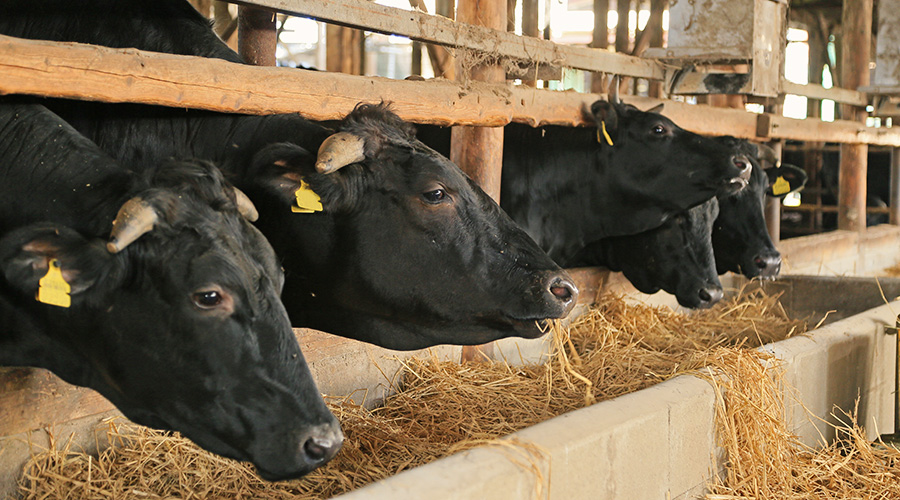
(81, 71)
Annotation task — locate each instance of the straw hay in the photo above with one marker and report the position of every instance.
(767, 461)
(444, 407)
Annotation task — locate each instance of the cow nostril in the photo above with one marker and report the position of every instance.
(742, 164)
(563, 290)
(710, 295)
(318, 449)
(760, 262)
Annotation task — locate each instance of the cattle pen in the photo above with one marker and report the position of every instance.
(493, 87)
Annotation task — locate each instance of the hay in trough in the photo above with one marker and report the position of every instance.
(765, 460)
(440, 407)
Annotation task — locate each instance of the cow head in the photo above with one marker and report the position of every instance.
(652, 168)
(177, 321)
(676, 257)
(740, 235)
(406, 252)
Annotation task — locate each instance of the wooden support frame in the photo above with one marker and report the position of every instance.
(256, 35)
(435, 29)
(856, 22)
(79, 71)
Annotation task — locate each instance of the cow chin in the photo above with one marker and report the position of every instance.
(407, 334)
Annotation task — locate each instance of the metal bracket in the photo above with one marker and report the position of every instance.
(893, 330)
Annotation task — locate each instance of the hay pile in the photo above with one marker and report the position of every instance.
(767, 461)
(445, 407)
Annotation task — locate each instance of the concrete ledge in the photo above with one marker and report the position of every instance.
(660, 442)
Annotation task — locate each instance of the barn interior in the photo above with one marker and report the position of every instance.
(817, 81)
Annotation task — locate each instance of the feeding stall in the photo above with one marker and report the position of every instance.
(616, 444)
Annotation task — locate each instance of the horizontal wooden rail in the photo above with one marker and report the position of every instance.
(845, 96)
(439, 30)
(126, 75)
(834, 209)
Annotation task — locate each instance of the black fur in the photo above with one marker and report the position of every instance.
(232, 379)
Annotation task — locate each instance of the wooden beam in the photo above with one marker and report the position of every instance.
(256, 36)
(479, 150)
(600, 40)
(622, 41)
(813, 91)
(435, 29)
(79, 71)
(895, 186)
(657, 7)
(856, 24)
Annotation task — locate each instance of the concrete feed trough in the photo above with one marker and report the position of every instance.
(660, 442)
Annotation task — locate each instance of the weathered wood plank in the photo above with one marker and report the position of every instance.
(435, 29)
(127, 75)
(845, 96)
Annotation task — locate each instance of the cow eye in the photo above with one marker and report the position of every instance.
(659, 129)
(207, 299)
(435, 196)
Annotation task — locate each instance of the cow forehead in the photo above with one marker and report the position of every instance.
(426, 164)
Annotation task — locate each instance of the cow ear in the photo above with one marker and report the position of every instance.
(785, 179)
(53, 263)
(607, 118)
(288, 171)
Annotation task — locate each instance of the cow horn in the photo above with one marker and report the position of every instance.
(614, 90)
(339, 150)
(767, 156)
(245, 206)
(135, 218)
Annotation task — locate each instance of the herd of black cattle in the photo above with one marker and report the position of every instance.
(179, 310)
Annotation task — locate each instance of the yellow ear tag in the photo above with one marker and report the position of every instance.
(307, 200)
(605, 134)
(52, 288)
(781, 186)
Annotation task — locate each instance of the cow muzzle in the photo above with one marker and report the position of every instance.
(314, 447)
(767, 264)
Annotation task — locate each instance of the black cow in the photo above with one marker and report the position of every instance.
(572, 186)
(175, 319)
(676, 257)
(740, 237)
(407, 252)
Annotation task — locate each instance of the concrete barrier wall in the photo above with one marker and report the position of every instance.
(842, 252)
(659, 443)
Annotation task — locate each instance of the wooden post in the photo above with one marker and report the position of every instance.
(343, 50)
(895, 189)
(416, 65)
(479, 150)
(600, 41)
(773, 205)
(622, 42)
(657, 7)
(812, 150)
(256, 35)
(530, 27)
(856, 26)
